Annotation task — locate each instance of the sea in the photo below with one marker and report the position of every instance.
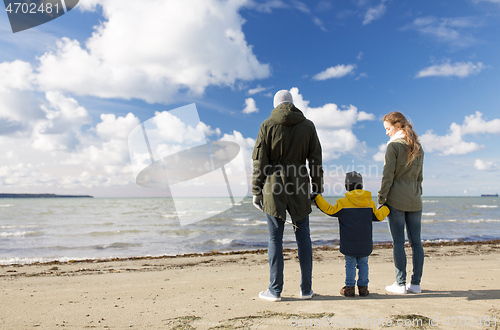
(34, 230)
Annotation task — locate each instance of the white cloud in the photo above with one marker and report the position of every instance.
(453, 143)
(450, 144)
(60, 130)
(266, 6)
(338, 71)
(24, 175)
(380, 155)
(16, 75)
(362, 75)
(18, 108)
(475, 124)
(237, 137)
(246, 145)
(111, 127)
(334, 126)
(158, 55)
(374, 13)
(459, 69)
(250, 106)
(485, 166)
(319, 23)
(18, 112)
(256, 90)
(454, 31)
(335, 143)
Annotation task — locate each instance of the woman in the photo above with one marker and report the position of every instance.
(401, 191)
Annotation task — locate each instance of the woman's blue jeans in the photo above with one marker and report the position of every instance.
(276, 227)
(351, 263)
(413, 222)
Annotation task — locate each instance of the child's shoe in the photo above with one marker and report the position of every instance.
(363, 291)
(347, 291)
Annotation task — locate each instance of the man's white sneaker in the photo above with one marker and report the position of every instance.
(413, 288)
(307, 296)
(396, 288)
(268, 296)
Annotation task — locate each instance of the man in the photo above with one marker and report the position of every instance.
(281, 183)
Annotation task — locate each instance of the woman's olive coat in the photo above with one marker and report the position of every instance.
(401, 185)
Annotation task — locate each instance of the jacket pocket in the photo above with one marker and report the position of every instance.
(257, 151)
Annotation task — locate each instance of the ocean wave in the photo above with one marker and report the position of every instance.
(180, 232)
(18, 226)
(117, 245)
(461, 220)
(5, 205)
(117, 232)
(169, 216)
(440, 240)
(21, 234)
(252, 224)
(223, 241)
(428, 214)
(483, 220)
(430, 201)
(486, 206)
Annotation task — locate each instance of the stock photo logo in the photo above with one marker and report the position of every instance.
(171, 151)
(26, 14)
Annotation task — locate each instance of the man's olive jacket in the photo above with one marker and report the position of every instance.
(285, 141)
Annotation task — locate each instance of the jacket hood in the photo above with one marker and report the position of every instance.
(359, 197)
(287, 114)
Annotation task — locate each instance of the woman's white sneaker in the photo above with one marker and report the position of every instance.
(413, 288)
(396, 288)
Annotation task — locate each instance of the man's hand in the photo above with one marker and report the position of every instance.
(257, 201)
(313, 199)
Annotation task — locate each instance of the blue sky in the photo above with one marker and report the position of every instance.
(71, 90)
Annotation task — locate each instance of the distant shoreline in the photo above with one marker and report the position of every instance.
(43, 196)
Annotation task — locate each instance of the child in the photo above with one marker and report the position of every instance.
(355, 212)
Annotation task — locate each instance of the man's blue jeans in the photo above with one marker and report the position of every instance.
(413, 222)
(276, 227)
(351, 263)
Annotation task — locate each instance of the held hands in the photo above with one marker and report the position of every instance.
(380, 206)
(313, 199)
(257, 201)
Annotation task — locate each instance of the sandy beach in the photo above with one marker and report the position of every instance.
(220, 291)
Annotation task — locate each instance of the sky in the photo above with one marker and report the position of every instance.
(73, 89)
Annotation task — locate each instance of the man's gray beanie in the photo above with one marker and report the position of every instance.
(282, 96)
